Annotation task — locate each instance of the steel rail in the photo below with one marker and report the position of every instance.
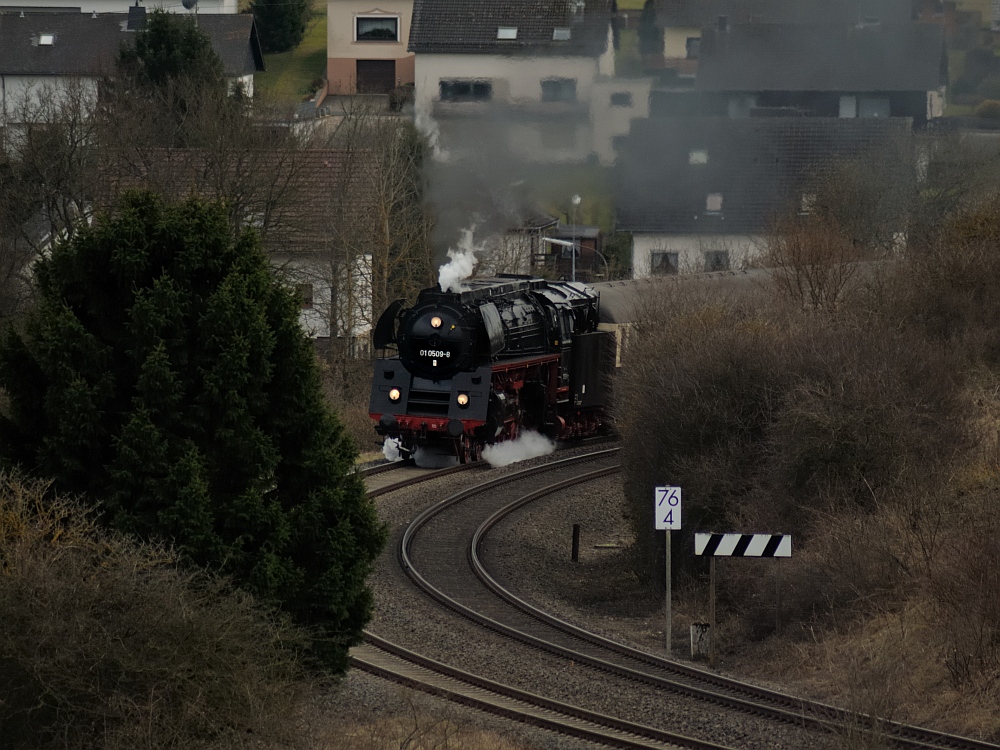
(814, 713)
(391, 661)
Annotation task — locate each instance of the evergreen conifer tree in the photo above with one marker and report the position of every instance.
(165, 375)
(280, 23)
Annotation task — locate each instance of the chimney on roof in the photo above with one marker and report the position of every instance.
(136, 18)
(722, 23)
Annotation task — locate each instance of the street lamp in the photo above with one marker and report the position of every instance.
(576, 202)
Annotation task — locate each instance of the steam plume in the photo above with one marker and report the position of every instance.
(463, 261)
(390, 449)
(528, 445)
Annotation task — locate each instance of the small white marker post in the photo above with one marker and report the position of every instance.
(667, 512)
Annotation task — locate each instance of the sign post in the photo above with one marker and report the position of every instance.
(737, 545)
(667, 512)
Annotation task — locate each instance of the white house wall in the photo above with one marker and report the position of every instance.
(314, 270)
(609, 120)
(675, 40)
(516, 80)
(525, 126)
(691, 249)
(25, 98)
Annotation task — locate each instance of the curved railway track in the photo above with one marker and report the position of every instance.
(441, 551)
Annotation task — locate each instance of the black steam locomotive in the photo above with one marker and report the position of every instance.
(480, 365)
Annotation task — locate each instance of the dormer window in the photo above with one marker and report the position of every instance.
(46, 40)
(698, 156)
(507, 32)
(560, 35)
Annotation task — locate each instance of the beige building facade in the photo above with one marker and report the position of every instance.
(366, 46)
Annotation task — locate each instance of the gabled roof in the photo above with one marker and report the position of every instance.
(761, 167)
(699, 13)
(784, 57)
(86, 44)
(303, 200)
(471, 26)
(235, 41)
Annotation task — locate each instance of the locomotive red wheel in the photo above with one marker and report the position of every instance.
(469, 449)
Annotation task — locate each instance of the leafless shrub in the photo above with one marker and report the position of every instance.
(773, 417)
(107, 644)
(813, 261)
(965, 593)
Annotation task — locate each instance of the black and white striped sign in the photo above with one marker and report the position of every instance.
(743, 545)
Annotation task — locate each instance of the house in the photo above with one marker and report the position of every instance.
(681, 21)
(60, 52)
(516, 78)
(697, 193)
(366, 46)
(877, 70)
(201, 7)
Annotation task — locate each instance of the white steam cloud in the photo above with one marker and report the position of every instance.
(460, 267)
(390, 449)
(426, 125)
(528, 445)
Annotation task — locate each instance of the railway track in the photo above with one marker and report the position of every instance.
(439, 544)
(386, 659)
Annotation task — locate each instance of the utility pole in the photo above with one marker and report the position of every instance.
(576, 202)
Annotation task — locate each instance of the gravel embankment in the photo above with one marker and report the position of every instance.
(531, 553)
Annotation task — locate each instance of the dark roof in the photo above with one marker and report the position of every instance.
(782, 57)
(234, 39)
(87, 44)
(761, 167)
(580, 231)
(470, 26)
(698, 13)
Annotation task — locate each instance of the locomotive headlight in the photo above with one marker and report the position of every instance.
(435, 322)
(394, 394)
(463, 399)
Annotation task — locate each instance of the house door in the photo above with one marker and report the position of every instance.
(376, 76)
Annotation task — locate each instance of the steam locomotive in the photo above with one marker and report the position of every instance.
(478, 365)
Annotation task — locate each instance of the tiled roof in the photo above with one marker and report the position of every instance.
(85, 44)
(760, 167)
(699, 13)
(471, 26)
(781, 57)
(301, 198)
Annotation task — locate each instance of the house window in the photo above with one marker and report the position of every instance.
(716, 260)
(466, 91)
(621, 99)
(807, 205)
(848, 106)
(46, 40)
(377, 29)
(664, 264)
(305, 294)
(713, 203)
(560, 35)
(873, 106)
(699, 156)
(507, 32)
(559, 90)
(693, 47)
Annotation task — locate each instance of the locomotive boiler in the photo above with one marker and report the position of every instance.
(478, 365)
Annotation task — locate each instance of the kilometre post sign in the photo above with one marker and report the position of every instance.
(667, 508)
